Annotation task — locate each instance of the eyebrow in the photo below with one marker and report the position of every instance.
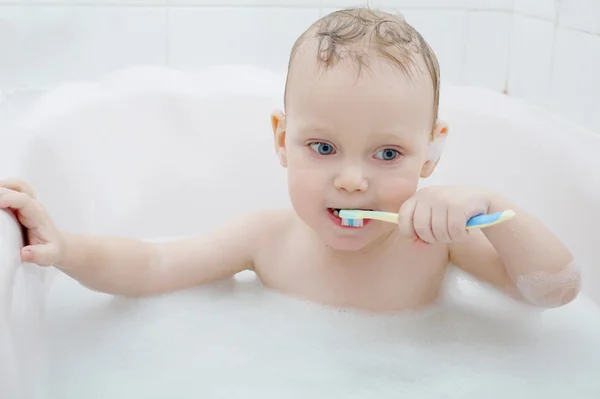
(313, 128)
(395, 136)
(385, 134)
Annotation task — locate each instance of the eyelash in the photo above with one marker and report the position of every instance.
(317, 143)
(312, 144)
(390, 149)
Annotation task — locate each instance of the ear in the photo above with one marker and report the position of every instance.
(435, 148)
(278, 125)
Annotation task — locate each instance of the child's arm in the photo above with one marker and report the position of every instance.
(131, 267)
(520, 256)
(127, 266)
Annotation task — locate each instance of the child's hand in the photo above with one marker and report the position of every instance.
(44, 246)
(440, 214)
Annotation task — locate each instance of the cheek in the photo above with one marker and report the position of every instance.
(393, 192)
(306, 185)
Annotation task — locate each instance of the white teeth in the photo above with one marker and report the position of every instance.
(335, 212)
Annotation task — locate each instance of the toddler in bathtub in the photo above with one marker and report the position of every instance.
(359, 126)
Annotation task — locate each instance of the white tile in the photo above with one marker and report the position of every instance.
(487, 48)
(445, 33)
(419, 4)
(92, 2)
(247, 3)
(531, 59)
(328, 10)
(580, 14)
(46, 44)
(495, 5)
(545, 9)
(575, 84)
(338, 4)
(259, 36)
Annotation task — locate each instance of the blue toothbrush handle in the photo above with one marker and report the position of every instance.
(486, 220)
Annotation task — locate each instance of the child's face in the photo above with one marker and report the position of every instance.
(354, 143)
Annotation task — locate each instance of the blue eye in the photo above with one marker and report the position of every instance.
(322, 148)
(387, 154)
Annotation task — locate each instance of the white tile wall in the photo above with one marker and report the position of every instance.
(497, 5)
(260, 36)
(246, 3)
(445, 33)
(580, 15)
(544, 9)
(531, 56)
(343, 3)
(419, 4)
(88, 2)
(41, 45)
(500, 44)
(487, 49)
(575, 85)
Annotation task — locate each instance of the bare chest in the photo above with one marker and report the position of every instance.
(405, 278)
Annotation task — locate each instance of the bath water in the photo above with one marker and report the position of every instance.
(237, 339)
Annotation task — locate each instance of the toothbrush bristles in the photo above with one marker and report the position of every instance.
(352, 222)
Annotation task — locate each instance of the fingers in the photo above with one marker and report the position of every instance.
(440, 225)
(431, 224)
(19, 196)
(440, 215)
(17, 199)
(457, 225)
(29, 211)
(414, 221)
(422, 222)
(405, 219)
(42, 255)
(18, 185)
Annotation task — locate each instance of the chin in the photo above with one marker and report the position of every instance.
(372, 238)
(347, 243)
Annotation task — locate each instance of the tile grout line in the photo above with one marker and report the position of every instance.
(167, 36)
(463, 50)
(510, 48)
(553, 51)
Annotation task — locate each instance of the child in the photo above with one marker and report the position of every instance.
(360, 128)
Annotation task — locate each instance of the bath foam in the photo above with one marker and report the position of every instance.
(236, 339)
(546, 289)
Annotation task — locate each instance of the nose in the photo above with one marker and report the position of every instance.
(351, 179)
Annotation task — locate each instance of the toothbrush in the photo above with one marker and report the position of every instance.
(354, 218)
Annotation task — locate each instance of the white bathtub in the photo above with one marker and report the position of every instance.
(106, 157)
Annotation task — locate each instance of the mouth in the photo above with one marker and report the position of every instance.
(334, 216)
(336, 211)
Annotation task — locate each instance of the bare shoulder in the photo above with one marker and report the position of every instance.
(262, 222)
(270, 236)
(236, 245)
(259, 229)
(273, 224)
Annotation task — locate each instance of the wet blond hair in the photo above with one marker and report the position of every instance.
(356, 33)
